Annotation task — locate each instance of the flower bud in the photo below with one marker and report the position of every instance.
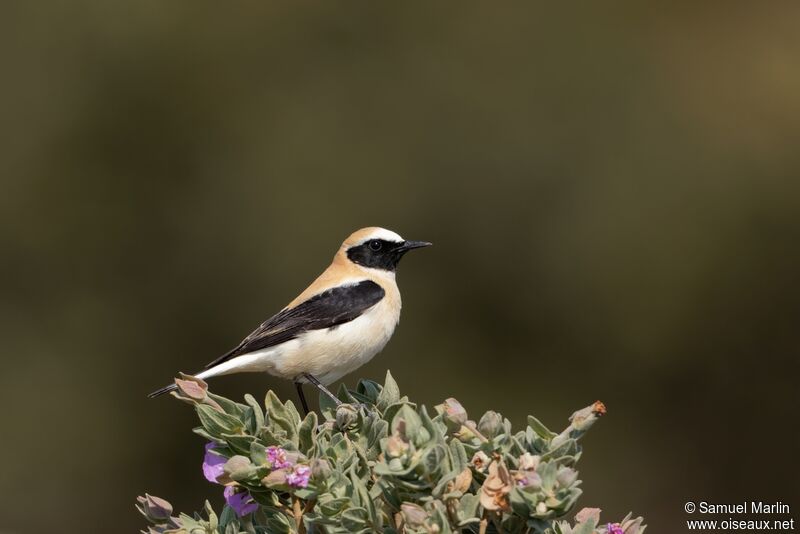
(321, 469)
(585, 418)
(194, 390)
(490, 424)
(566, 476)
(346, 415)
(413, 515)
(236, 468)
(191, 387)
(275, 479)
(453, 414)
(156, 509)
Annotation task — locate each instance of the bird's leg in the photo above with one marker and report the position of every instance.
(299, 386)
(322, 388)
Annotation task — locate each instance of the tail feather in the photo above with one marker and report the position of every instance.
(219, 369)
(165, 389)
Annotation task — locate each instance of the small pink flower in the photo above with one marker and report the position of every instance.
(299, 476)
(277, 458)
(614, 528)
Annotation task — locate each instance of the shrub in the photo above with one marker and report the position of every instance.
(379, 463)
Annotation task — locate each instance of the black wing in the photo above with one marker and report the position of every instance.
(330, 308)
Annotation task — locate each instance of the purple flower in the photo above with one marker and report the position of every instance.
(241, 501)
(299, 476)
(528, 479)
(277, 459)
(614, 528)
(212, 464)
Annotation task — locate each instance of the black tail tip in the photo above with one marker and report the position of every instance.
(159, 392)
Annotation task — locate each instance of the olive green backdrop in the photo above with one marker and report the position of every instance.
(613, 193)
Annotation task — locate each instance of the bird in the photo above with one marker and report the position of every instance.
(337, 324)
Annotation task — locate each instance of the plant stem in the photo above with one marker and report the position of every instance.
(497, 524)
(285, 509)
(484, 523)
(475, 431)
(298, 515)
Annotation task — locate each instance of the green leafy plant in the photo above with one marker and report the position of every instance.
(379, 463)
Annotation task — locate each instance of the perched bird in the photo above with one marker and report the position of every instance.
(340, 321)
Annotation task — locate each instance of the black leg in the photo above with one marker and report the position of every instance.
(320, 387)
(302, 397)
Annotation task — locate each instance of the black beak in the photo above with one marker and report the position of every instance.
(405, 246)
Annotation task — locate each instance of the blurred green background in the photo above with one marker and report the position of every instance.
(613, 192)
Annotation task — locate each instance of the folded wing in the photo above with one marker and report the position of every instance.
(327, 309)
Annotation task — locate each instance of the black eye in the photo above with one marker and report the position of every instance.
(375, 245)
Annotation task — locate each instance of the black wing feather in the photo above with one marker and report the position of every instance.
(328, 309)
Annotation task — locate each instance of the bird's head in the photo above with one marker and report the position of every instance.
(378, 248)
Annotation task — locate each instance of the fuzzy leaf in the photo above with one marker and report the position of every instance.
(389, 394)
(217, 423)
(355, 519)
(369, 391)
(540, 428)
(306, 433)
